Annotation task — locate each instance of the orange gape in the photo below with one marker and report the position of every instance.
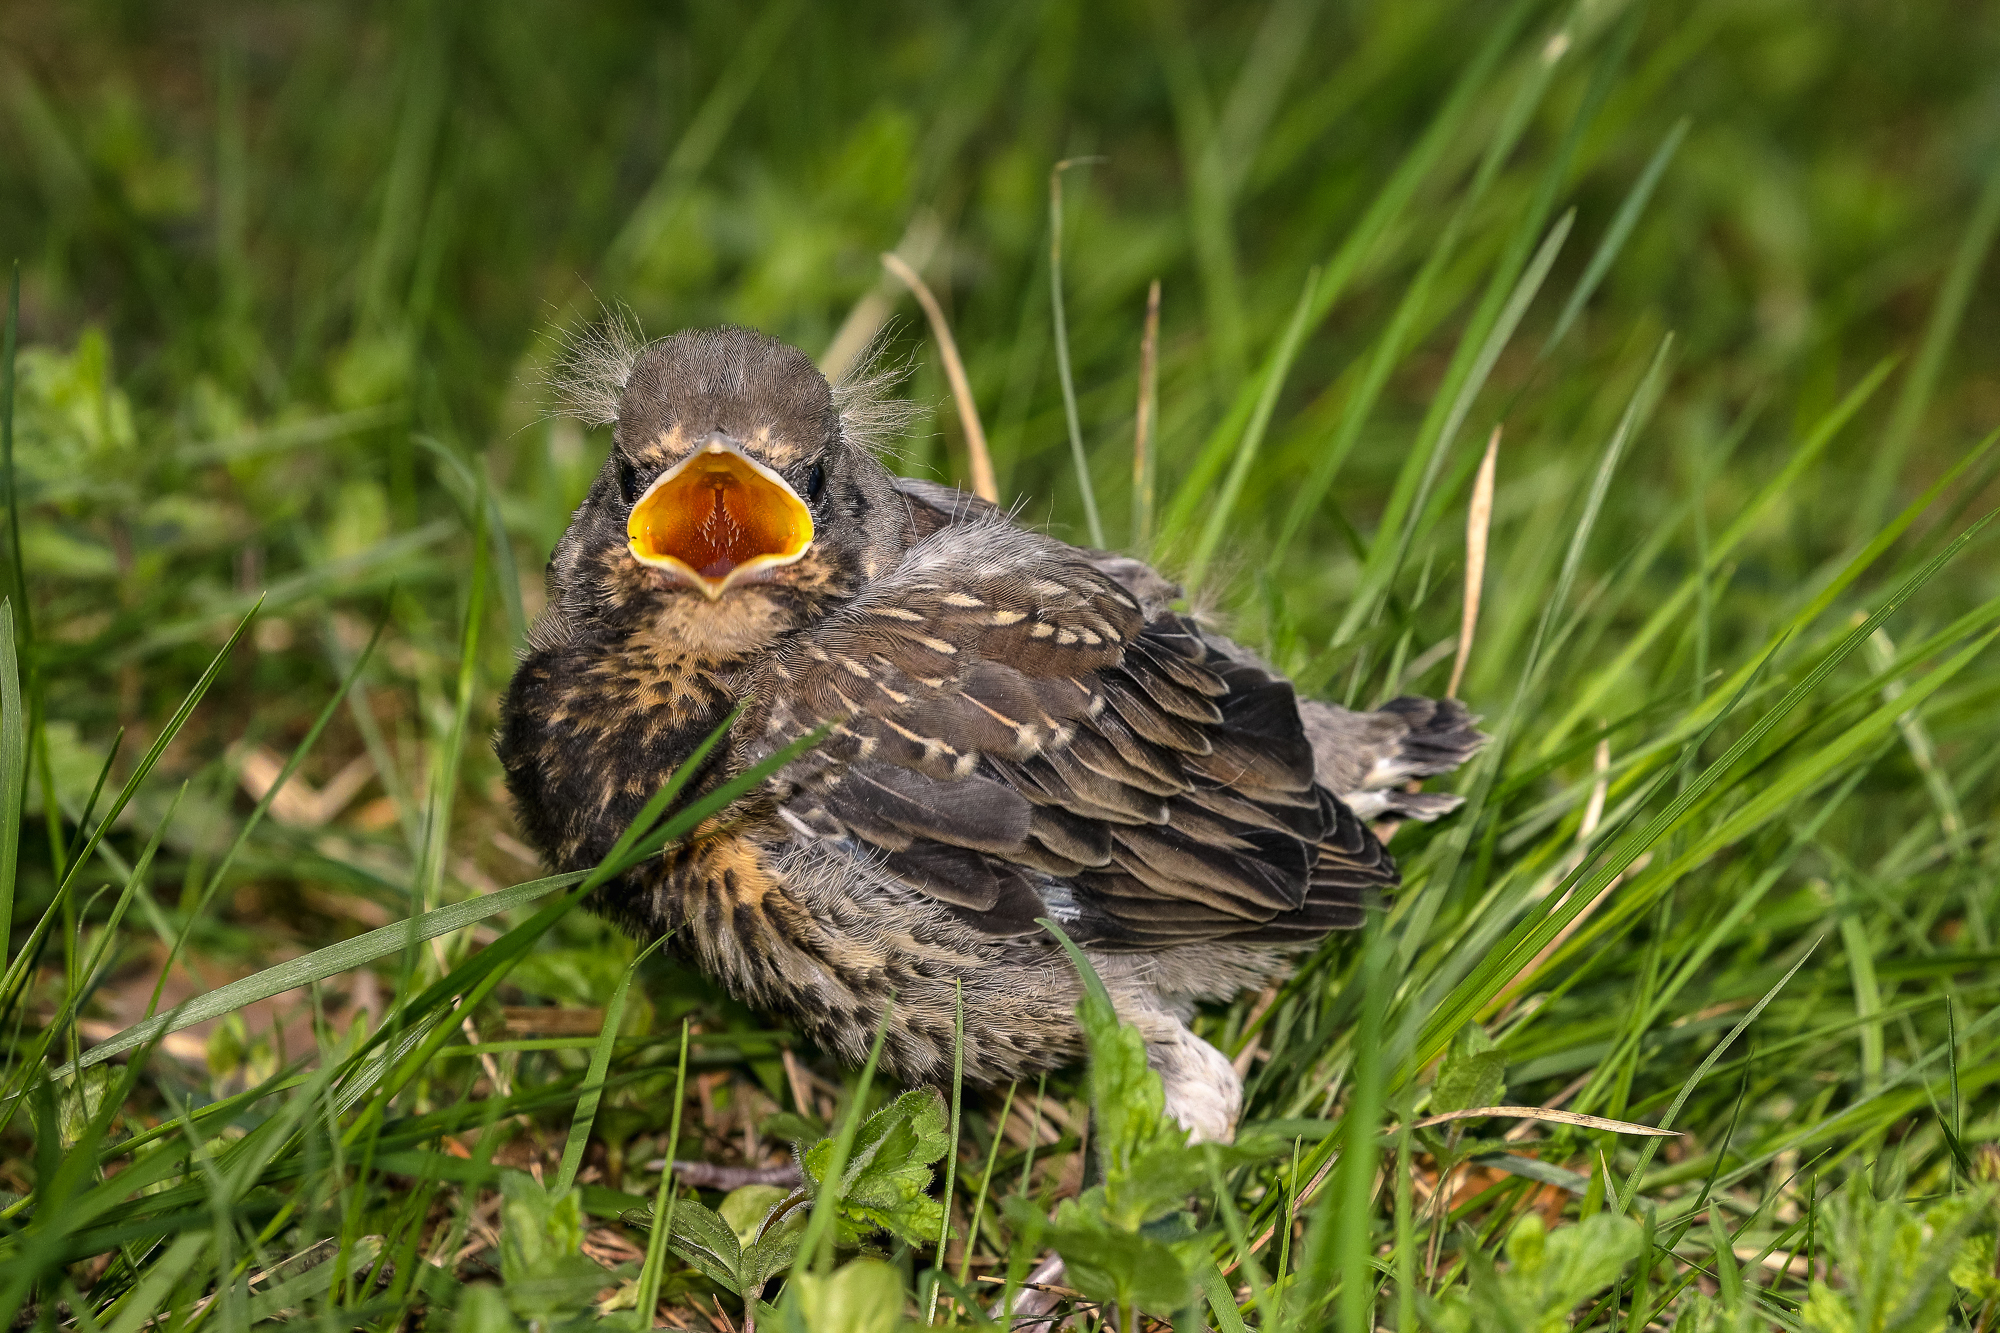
(716, 515)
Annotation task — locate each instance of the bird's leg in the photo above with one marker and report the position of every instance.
(1203, 1090)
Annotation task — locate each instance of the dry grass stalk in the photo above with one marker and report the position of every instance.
(1144, 423)
(1245, 1056)
(1549, 1115)
(795, 1076)
(857, 332)
(297, 803)
(984, 485)
(1478, 519)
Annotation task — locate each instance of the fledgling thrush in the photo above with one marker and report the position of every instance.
(1020, 728)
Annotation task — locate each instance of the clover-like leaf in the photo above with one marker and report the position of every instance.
(884, 1186)
(1472, 1074)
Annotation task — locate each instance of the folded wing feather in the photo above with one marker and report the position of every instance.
(1011, 730)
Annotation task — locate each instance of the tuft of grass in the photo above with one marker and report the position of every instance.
(291, 1026)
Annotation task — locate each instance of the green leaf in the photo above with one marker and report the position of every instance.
(1575, 1262)
(746, 1208)
(1902, 1264)
(883, 1186)
(707, 1242)
(1473, 1073)
(1125, 1093)
(1151, 1268)
(310, 1274)
(541, 1250)
(1548, 1275)
(1973, 1269)
(484, 1309)
(791, 1127)
(865, 1296)
(773, 1251)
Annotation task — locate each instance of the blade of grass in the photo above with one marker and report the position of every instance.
(1615, 235)
(1239, 1240)
(593, 1080)
(1774, 794)
(663, 1201)
(1407, 505)
(1631, 1186)
(1670, 611)
(1085, 491)
(380, 566)
(149, 1296)
(403, 1057)
(683, 821)
(1939, 332)
(1759, 807)
(79, 982)
(1361, 1123)
(1478, 522)
(1507, 294)
(16, 973)
(620, 856)
(18, 569)
(168, 732)
(985, 1180)
(1389, 351)
(983, 484)
(13, 773)
(1423, 912)
(1221, 1299)
(1357, 246)
(429, 879)
(816, 1246)
(1279, 367)
(257, 813)
(319, 965)
(1145, 453)
(1867, 992)
(951, 1157)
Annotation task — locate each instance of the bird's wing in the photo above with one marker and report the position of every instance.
(1013, 737)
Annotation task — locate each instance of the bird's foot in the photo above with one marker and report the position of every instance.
(1204, 1091)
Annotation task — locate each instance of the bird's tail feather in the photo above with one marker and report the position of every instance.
(1366, 759)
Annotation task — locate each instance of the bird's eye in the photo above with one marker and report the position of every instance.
(815, 481)
(628, 481)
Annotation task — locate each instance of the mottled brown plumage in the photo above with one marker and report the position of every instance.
(1020, 728)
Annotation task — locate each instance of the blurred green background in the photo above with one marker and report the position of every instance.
(292, 277)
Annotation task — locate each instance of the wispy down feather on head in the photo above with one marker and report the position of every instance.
(596, 362)
(871, 415)
(594, 365)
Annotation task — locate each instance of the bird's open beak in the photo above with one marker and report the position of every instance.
(718, 518)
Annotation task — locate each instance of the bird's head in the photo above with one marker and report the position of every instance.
(736, 501)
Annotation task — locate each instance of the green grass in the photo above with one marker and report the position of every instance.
(280, 480)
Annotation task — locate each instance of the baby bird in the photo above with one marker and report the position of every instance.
(1020, 728)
